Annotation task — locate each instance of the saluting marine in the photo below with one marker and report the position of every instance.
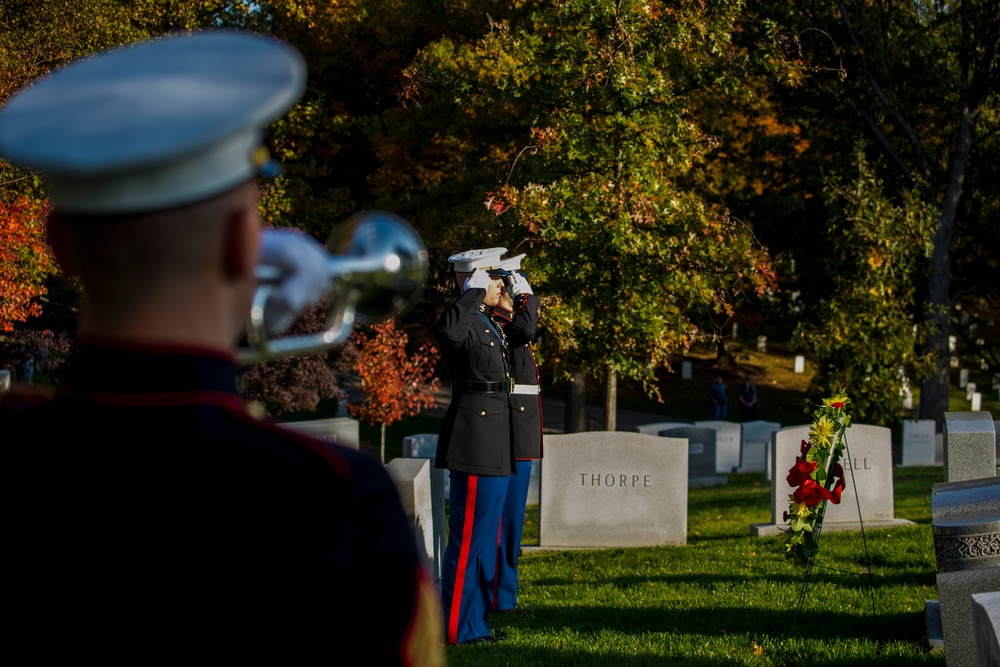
(517, 314)
(475, 443)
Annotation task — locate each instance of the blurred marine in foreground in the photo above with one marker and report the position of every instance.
(149, 515)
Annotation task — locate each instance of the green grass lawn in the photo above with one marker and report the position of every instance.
(726, 598)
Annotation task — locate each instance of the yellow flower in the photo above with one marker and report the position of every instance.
(821, 433)
(836, 402)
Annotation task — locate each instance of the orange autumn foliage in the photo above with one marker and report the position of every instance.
(25, 260)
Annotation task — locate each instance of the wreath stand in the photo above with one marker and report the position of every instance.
(818, 528)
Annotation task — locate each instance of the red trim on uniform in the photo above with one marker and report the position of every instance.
(463, 559)
(156, 347)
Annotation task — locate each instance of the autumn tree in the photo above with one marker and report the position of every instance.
(396, 383)
(297, 383)
(864, 335)
(25, 260)
(919, 81)
(620, 254)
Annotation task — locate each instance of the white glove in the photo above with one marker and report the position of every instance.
(479, 279)
(518, 286)
(303, 275)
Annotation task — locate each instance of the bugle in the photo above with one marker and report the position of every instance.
(378, 266)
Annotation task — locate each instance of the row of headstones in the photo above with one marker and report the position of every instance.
(612, 489)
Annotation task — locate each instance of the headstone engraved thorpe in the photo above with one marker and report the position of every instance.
(728, 436)
(755, 446)
(969, 446)
(918, 442)
(413, 482)
(867, 464)
(613, 489)
(965, 521)
(701, 455)
(339, 430)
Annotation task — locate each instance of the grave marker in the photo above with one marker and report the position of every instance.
(867, 464)
(965, 520)
(655, 427)
(613, 489)
(728, 436)
(918, 442)
(339, 430)
(755, 445)
(413, 482)
(969, 446)
(701, 455)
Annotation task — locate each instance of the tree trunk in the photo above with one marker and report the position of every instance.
(934, 390)
(611, 402)
(576, 404)
(383, 445)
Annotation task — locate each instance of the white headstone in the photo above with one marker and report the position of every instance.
(977, 401)
(800, 364)
(413, 482)
(655, 427)
(963, 378)
(970, 389)
(867, 465)
(762, 343)
(755, 445)
(424, 445)
(701, 455)
(340, 430)
(613, 489)
(727, 444)
(685, 370)
(907, 399)
(918, 442)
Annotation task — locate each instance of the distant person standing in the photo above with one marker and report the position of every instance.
(748, 399)
(717, 398)
(517, 314)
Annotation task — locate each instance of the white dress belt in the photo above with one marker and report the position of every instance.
(525, 389)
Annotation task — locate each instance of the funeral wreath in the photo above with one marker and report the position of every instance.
(817, 477)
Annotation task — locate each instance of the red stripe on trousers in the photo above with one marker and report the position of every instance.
(463, 559)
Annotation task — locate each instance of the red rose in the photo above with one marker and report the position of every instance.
(804, 447)
(809, 494)
(800, 472)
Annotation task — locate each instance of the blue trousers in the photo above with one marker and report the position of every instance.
(509, 539)
(470, 558)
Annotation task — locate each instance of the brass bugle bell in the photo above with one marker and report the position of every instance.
(378, 267)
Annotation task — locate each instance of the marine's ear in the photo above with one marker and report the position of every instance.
(241, 243)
